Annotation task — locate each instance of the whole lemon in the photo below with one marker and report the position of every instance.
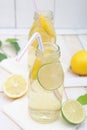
(79, 62)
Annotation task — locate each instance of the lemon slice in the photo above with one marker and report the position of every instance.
(47, 25)
(44, 35)
(50, 76)
(36, 66)
(73, 112)
(15, 86)
(31, 30)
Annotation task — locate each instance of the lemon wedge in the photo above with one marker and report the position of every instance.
(44, 35)
(47, 25)
(36, 66)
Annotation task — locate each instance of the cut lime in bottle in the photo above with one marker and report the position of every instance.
(73, 112)
(50, 76)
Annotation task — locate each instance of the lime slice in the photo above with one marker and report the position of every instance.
(50, 76)
(15, 86)
(73, 112)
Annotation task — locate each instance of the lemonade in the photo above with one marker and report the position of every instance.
(43, 24)
(46, 85)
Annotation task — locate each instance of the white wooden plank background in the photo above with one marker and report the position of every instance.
(70, 15)
(7, 18)
(83, 39)
(7, 124)
(24, 13)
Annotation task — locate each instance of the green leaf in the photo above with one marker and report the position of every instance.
(14, 42)
(2, 56)
(0, 43)
(82, 99)
(16, 46)
(11, 40)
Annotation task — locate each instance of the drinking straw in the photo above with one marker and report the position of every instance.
(31, 40)
(20, 55)
(58, 94)
(36, 7)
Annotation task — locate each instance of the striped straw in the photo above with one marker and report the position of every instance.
(58, 94)
(36, 7)
(35, 35)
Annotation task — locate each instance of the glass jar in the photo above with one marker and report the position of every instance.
(43, 23)
(46, 85)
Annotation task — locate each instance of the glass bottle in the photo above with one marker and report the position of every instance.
(46, 85)
(43, 23)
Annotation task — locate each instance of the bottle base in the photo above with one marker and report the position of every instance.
(47, 116)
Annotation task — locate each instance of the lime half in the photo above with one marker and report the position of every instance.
(73, 112)
(50, 76)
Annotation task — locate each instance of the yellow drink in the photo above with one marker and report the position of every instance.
(43, 23)
(46, 85)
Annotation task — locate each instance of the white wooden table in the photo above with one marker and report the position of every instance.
(69, 44)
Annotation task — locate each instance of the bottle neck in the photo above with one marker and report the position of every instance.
(51, 53)
(47, 14)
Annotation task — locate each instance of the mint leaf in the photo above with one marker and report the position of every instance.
(11, 40)
(16, 46)
(14, 42)
(2, 56)
(0, 43)
(82, 99)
